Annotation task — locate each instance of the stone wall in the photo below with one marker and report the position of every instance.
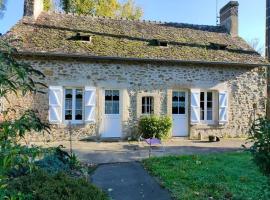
(246, 86)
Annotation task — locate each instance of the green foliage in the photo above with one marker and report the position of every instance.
(260, 137)
(2, 7)
(57, 160)
(16, 159)
(108, 8)
(215, 176)
(17, 76)
(154, 126)
(130, 11)
(48, 5)
(41, 185)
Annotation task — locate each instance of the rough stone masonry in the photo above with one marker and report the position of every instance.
(246, 87)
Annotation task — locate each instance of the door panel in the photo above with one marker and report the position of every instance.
(179, 113)
(111, 122)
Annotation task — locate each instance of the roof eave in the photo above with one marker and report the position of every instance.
(130, 59)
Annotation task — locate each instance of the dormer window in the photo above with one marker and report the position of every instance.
(218, 46)
(161, 43)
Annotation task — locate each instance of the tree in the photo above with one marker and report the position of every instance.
(2, 7)
(48, 5)
(130, 11)
(107, 8)
(255, 44)
(17, 78)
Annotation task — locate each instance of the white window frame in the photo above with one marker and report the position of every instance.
(205, 121)
(73, 121)
(145, 105)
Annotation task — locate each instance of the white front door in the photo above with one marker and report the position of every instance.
(179, 113)
(111, 122)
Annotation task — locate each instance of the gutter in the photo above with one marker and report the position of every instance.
(83, 57)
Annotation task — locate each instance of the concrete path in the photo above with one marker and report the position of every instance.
(114, 152)
(128, 181)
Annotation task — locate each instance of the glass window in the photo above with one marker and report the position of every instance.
(206, 106)
(178, 103)
(73, 104)
(147, 105)
(112, 98)
(68, 104)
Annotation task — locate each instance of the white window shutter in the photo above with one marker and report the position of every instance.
(90, 104)
(223, 107)
(195, 106)
(55, 104)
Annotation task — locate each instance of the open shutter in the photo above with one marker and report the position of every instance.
(223, 107)
(195, 106)
(90, 104)
(55, 104)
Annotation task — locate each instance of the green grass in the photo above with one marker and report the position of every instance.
(213, 176)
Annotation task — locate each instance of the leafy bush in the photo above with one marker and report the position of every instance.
(58, 160)
(41, 185)
(260, 136)
(154, 126)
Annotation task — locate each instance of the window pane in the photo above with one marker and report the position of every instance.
(78, 115)
(68, 93)
(202, 114)
(182, 106)
(148, 109)
(209, 115)
(116, 95)
(209, 96)
(209, 104)
(143, 100)
(79, 100)
(147, 105)
(108, 107)
(182, 110)
(202, 96)
(175, 96)
(202, 105)
(115, 107)
(108, 95)
(68, 104)
(175, 110)
(143, 109)
(68, 115)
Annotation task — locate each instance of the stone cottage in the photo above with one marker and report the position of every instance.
(103, 74)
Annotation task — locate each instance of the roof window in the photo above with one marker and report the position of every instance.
(218, 46)
(79, 37)
(161, 43)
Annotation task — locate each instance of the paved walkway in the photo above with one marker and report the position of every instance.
(128, 181)
(114, 152)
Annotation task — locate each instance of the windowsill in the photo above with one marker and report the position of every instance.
(72, 123)
(209, 125)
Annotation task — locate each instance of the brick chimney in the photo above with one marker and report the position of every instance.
(229, 17)
(33, 8)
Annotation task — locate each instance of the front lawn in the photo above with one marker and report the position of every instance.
(214, 176)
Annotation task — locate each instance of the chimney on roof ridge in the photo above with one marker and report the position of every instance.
(229, 17)
(33, 8)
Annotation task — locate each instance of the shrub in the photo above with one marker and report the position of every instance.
(41, 185)
(260, 137)
(154, 126)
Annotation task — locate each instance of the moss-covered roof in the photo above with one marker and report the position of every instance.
(55, 32)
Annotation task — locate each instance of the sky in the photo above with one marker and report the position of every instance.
(251, 14)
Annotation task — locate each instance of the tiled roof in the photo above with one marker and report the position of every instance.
(55, 33)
